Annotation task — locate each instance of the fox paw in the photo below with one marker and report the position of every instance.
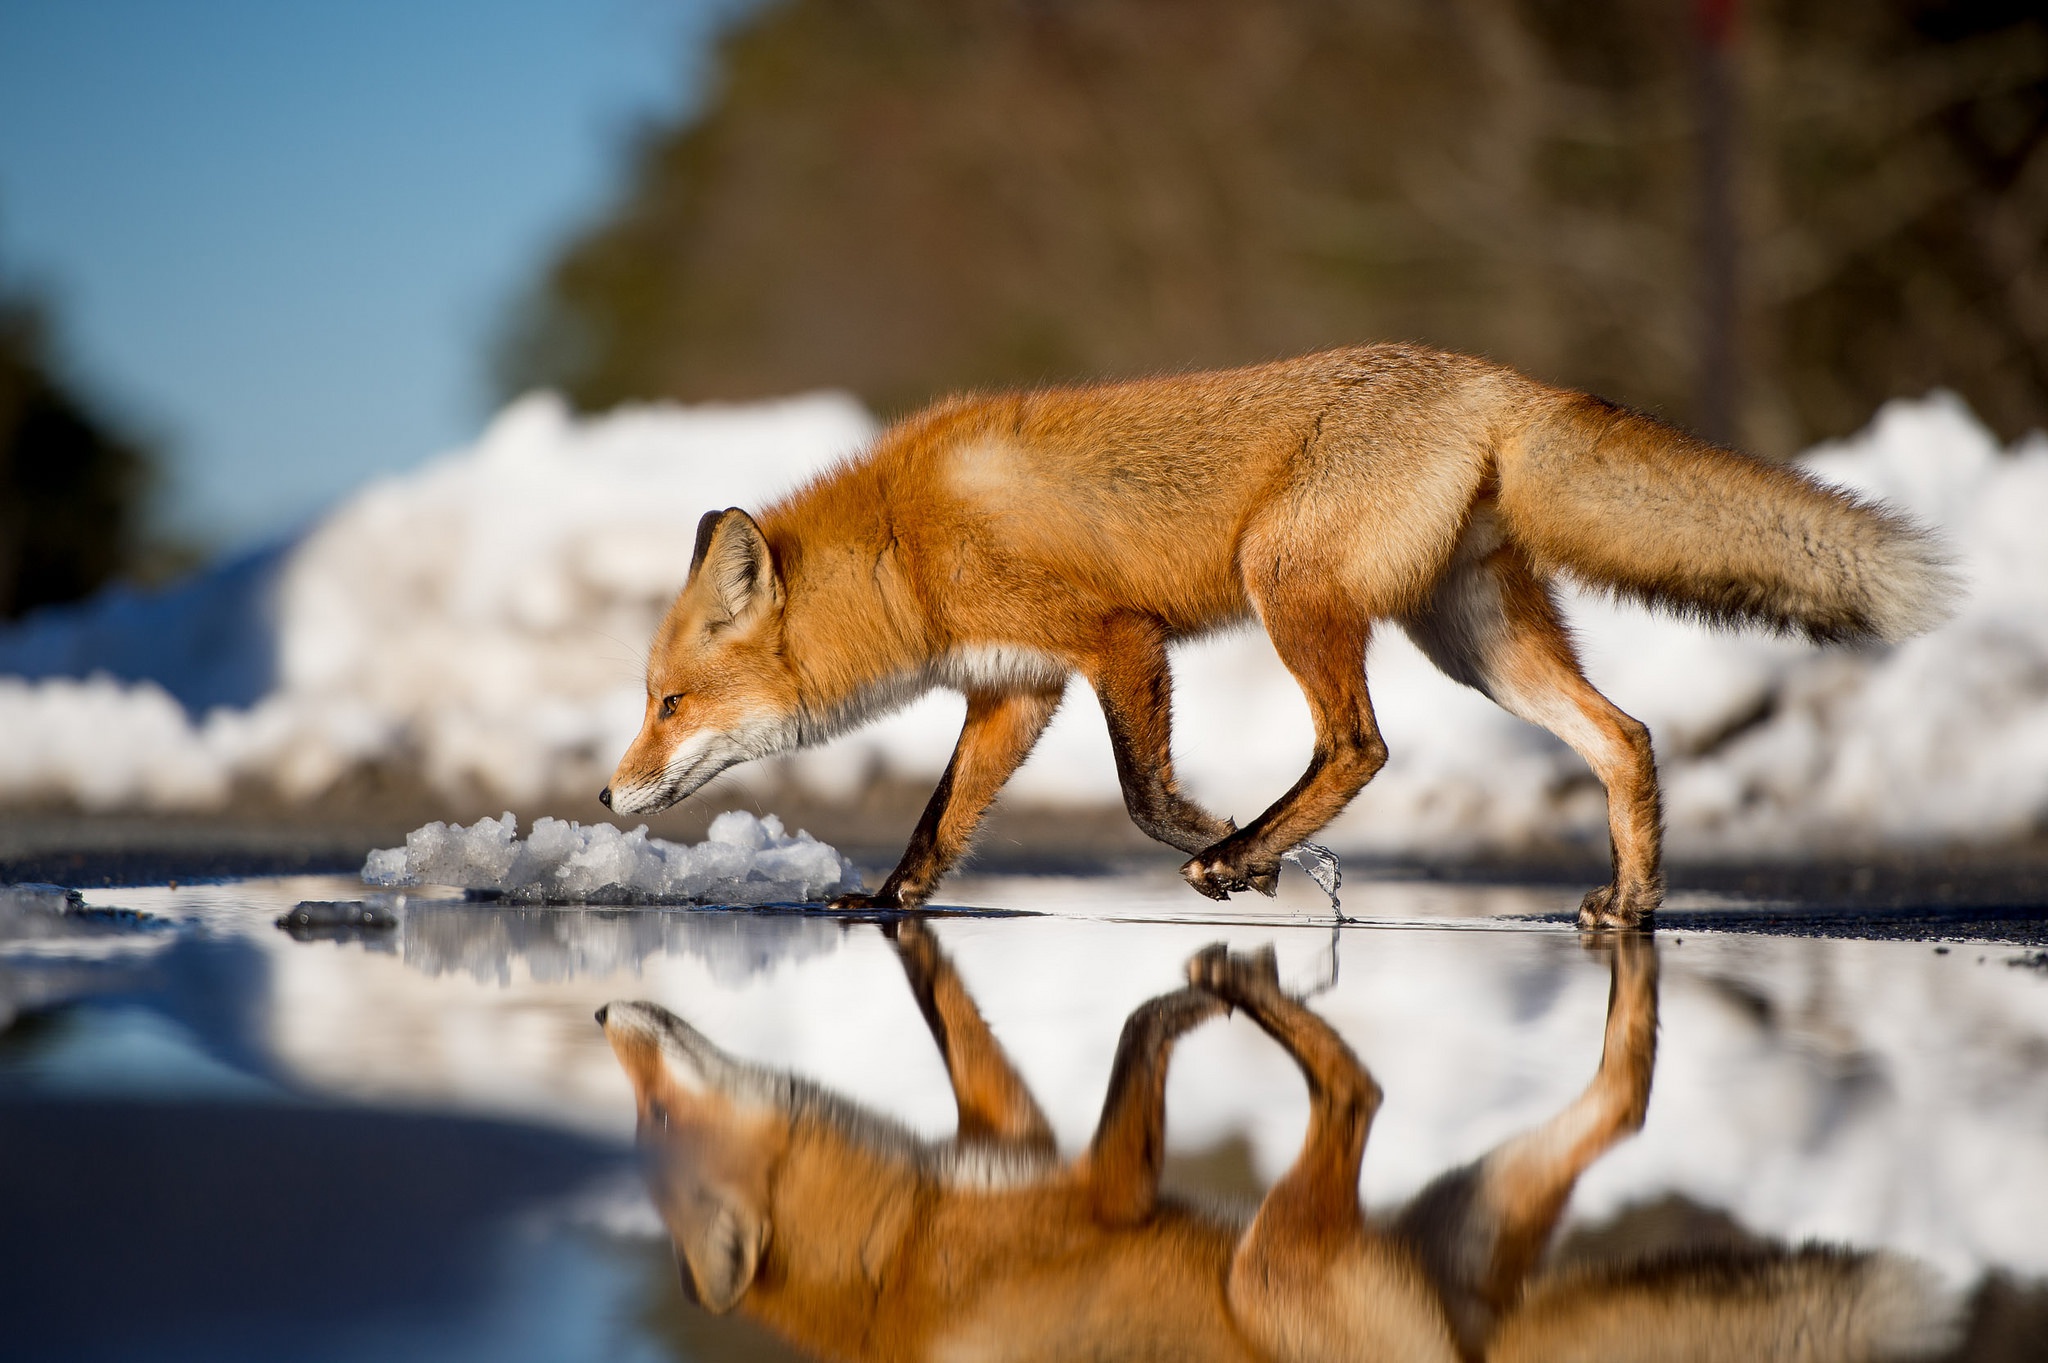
(855, 903)
(1235, 976)
(1216, 873)
(1616, 907)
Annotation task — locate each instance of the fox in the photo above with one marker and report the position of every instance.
(999, 544)
(853, 1239)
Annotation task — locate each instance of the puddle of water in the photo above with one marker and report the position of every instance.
(428, 1111)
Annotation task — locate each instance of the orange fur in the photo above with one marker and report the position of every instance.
(999, 544)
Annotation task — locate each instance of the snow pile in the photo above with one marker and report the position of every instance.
(1942, 738)
(744, 860)
(105, 745)
(477, 624)
(487, 615)
(208, 640)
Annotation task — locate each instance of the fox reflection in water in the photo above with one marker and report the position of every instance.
(854, 1239)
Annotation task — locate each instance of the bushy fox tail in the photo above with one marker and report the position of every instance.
(1625, 503)
(1812, 1305)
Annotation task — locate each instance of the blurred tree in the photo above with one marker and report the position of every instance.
(70, 488)
(1900, 209)
(903, 196)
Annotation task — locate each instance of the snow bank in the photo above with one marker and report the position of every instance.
(479, 622)
(105, 745)
(744, 860)
(208, 640)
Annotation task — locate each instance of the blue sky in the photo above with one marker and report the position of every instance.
(278, 234)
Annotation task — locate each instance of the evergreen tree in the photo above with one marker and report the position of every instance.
(71, 488)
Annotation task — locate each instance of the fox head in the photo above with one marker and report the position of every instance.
(718, 690)
(711, 1133)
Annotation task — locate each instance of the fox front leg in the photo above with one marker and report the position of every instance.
(1001, 728)
(994, 1105)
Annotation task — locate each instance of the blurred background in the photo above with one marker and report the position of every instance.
(255, 260)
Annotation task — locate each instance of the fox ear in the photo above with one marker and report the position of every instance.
(731, 549)
(706, 523)
(720, 1251)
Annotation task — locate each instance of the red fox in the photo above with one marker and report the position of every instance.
(852, 1239)
(999, 544)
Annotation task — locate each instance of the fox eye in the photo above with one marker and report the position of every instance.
(668, 706)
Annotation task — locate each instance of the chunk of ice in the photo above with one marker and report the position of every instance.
(34, 915)
(374, 912)
(743, 860)
(34, 912)
(36, 897)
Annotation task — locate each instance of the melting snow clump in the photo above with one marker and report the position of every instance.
(744, 860)
(33, 897)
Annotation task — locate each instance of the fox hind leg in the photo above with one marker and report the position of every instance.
(1310, 1278)
(1321, 637)
(1480, 1230)
(1492, 625)
(1121, 1168)
(1317, 1200)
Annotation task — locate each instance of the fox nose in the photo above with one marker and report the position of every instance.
(601, 1012)
(604, 797)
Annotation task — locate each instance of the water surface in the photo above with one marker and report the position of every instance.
(221, 1138)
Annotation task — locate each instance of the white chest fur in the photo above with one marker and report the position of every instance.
(998, 667)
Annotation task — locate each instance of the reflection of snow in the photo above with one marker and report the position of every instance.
(54, 948)
(742, 860)
(486, 943)
(477, 622)
(1861, 1091)
(129, 1052)
(1876, 1094)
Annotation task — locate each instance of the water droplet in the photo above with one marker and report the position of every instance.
(1321, 864)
